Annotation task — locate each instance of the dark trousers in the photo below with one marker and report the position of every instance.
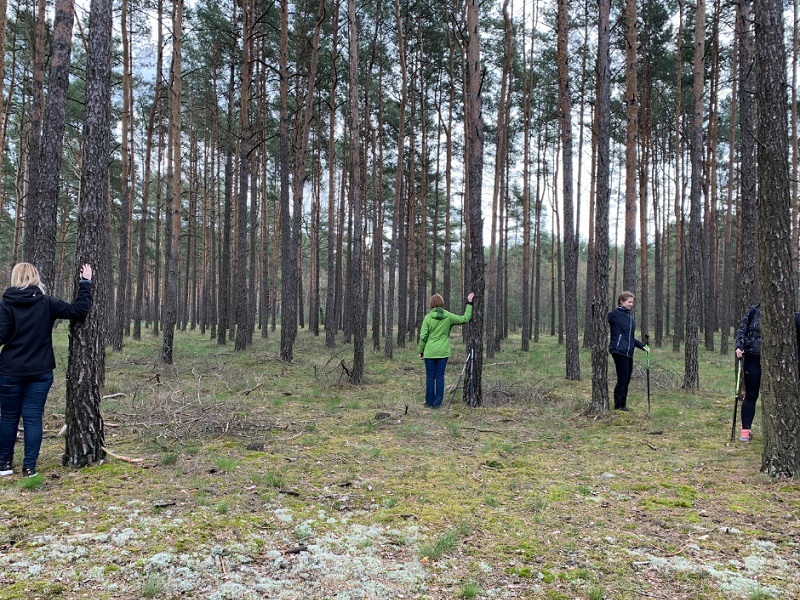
(434, 381)
(752, 385)
(624, 367)
(22, 397)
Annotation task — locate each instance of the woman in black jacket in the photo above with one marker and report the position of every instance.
(621, 346)
(748, 347)
(27, 361)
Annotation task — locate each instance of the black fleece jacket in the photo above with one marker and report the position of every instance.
(623, 328)
(27, 316)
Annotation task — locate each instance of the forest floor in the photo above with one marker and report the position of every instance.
(265, 480)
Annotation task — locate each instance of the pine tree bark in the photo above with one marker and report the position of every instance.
(288, 249)
(396, 247)
(357, 375)
(573, 365)
(474, 131)
(33, 169)
(691, 377)
(44, 218)
(631, 136)
(781, 453)
(121, 307)
(330, 300)
(748, 284)
(599, 403)
(240, 276)
(173, 251)
(86, 364)
(678, 334)
(142, 245)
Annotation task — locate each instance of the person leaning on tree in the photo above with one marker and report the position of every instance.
(621, 346)
(434, 345)
(748, 348)
(27, 315)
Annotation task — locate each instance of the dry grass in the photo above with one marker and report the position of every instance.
(268, 480)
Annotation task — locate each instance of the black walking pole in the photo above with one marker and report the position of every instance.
(471, 372)
(736, 396)
(458, 382)
(647, 370)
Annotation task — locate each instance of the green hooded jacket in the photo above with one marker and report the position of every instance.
(434, 337)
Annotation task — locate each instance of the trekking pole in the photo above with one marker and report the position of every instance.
(647, 370)
(736, 396)
(471, 373)
(458, 382)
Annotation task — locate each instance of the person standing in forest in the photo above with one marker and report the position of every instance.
(748, 347)
(27, 361)
(434, 345)
(621, 346)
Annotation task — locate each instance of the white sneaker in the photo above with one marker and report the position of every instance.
(6, 471)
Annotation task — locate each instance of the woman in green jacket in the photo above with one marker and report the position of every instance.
(434, 345)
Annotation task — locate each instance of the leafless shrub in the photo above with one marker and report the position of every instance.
(499, 393)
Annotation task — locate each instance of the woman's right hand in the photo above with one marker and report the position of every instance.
(86, 272)
(739, 353)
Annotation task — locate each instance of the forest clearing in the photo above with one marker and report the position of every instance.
(260, 479)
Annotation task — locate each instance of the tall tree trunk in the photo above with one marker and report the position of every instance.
(473, 126)
(726, 305)
(395, 249)
(173, 188)
(748, 285)
(46, 194)
(678, 334)
(35, 131)
(527, 93)
(631, 135)
(645, 147)
(357, 375)
(240, 276)
(492, 307)
(599, 403)
(86, 364)
(288, 248)
(330, 300)
(691, 378)
(781, 453)
(225, 282)
(142, 246)
(573, 365)
(126, 205)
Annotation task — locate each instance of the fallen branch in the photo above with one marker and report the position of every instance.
(296, 549)
(253, 389)
(484, 430)
(649, 445)
(126, 459)
(110, 396)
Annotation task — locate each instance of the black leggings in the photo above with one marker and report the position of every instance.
(624, 366)
(752, 385)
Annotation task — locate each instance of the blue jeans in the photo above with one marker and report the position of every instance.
(434, 383)
(22, 397)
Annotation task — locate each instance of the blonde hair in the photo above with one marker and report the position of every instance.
(437, 301)
(624, 296)
(25, 274)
